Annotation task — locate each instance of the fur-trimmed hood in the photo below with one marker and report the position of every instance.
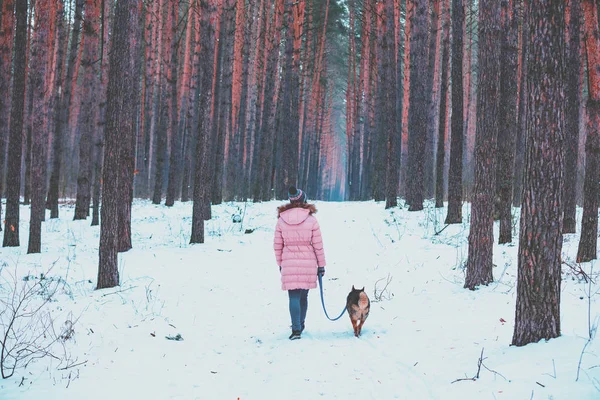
(295, 213)
(310, 207)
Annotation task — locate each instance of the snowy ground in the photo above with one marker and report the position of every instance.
(224, 299)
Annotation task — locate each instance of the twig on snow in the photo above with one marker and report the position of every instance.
(72, 366)
(119, 291)
(479, 365)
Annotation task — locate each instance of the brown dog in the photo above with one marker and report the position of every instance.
(358, 306)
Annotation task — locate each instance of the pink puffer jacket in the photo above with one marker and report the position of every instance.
(298, 247)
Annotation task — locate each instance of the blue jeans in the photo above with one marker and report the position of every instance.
(298, 307)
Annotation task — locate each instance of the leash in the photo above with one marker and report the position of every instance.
(323, 301)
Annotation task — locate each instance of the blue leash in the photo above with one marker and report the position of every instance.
(323, 301)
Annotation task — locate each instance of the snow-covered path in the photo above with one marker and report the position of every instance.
(224, 299)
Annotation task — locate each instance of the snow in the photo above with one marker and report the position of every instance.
(224, 299)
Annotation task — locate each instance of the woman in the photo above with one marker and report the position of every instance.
(299, 253)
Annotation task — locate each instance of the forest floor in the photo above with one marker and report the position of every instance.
(426, 337)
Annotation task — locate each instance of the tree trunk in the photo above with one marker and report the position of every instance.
(443, 113)
(266, 134)
(7, 24)
(573, 102)
(15, 139)
(587, 249)
(89, 110)
(63, 112)
(201, 177)
(175, 160)
(507, 118)
(393, 144)
(455, 170)
(43, 38)
(537, 314)
(106, 20)
(226, 37)
(417, 111)
(160, 106)
(432, 90)
(521, 139)
(481, 235)
(121, 93)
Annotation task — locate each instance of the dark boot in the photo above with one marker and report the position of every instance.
(295, 335)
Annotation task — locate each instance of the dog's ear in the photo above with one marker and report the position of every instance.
(363, 289)
(353, 288)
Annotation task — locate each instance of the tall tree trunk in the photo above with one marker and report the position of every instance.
(227, 38)
(507, 118)
(63, 112)
(121, 93)
(106, 19)
(288, 137)
(481, 235)
(43, 37)
(175, 160)
(455, 170)
(417, 111)
(201, 177)
(187, 86)
(89, 113)
(7, 24)
(573, 102)
(127, 147)
(537, 314)
(380, 138)
(160, 112)
(432, 89)
(15, 139)
(393, 144)
(587, 249)
(443, 113)
(266, 132)
(521, 139)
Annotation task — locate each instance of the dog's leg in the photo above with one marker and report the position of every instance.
(354, 325)
(359, 328)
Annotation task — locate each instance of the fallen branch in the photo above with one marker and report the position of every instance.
(73, 365)
(578, 271)
(463, 379)
(441, 230)
(119, 291)
(479, 365)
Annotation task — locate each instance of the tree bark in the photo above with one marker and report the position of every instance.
(573, 102)
(507, 118)
(481, 235)
(63, 112)
(455, 170)
(43, 38)
(587, 249)
(175, 159)
(417, 111)
(443, 112)
(227, 38)
(201, 177)
(537, 314)
(393, 144)
(7, 24)
(89, 110)
(521, 139)
(15, 139)
(121, 92)
(432, 89)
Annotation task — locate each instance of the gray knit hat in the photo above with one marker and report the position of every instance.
(296, 195)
